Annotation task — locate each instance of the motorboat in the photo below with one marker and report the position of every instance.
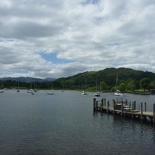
(50, 93)
(84, 93)
(1, 91)
(30, 91)
(118, 93)
(97, 94)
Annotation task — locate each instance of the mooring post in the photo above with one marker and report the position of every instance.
(94, 103)
(154, 113)
(129, 105)
(145, 108)
(97, 105)
(122, 108)
(134, 105)
(141, 111)
(101, 106)
(104, 102)
(114, 103)
(132, 108)
(108, 107)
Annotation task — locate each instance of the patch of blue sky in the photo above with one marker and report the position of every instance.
(54, 59)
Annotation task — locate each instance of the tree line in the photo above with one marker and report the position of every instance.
(129, 80)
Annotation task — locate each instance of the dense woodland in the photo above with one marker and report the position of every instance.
(129, 80)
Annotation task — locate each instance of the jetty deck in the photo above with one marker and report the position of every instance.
(125, 109)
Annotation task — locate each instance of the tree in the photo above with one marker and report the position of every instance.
(103, 85)
(130, 84)
(122, 87)
(152, 84)
(136, 84)
(145, 83)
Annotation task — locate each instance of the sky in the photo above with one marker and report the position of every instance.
(61, 38)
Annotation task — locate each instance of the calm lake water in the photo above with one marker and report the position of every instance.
(64, 124)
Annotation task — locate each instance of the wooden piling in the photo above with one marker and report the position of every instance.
(114, 103)
(133, 108)
(134, 105)
(145, 107)
(122, 108)
(94, 103)
(104, 102)
(101, 105)
(108, 107)
(141, 111)
(154, 113)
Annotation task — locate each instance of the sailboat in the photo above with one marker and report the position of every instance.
(30, 90)
(18, 87)
(1, 90)
(63, 87)
(51, 92)
(36, 88)
(117, 92)
(97, 94)
(84, 92)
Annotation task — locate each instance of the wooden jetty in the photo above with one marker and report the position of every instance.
(125, 109)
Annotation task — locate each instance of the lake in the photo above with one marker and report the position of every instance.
(65, 124)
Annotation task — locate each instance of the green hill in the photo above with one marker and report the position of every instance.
(91, 79)
(128, 80)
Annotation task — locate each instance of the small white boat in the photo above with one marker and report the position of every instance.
(84, 93)
(1, 91)
(50, 93)
(118, 93)
(30, 91)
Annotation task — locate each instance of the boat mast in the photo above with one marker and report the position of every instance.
(116, 82)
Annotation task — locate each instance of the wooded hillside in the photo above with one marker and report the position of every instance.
(128, 80)
(106, 79)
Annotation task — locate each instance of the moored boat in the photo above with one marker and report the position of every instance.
(1, 91)
(84, 93)
(118, 93)
(97, 94)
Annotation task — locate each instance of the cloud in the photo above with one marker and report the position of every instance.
(76, 35)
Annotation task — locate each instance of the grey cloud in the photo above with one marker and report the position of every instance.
(92, 34)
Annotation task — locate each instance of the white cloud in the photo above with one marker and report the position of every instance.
(91, 34)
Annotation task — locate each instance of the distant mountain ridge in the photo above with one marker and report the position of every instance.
(108, 75)
(27, 79)
(91, 80)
